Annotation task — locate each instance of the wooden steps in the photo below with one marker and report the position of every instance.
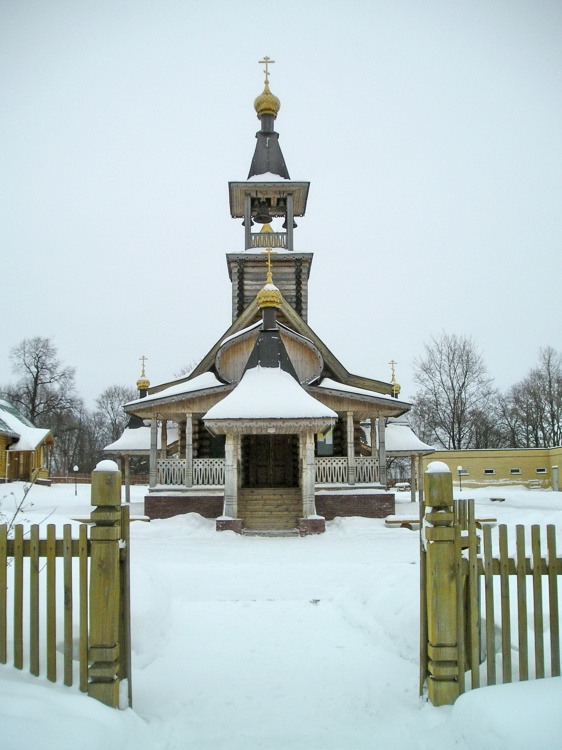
(270, 508)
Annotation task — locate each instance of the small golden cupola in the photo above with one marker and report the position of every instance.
(269, 295)
(395, 386)
(267, 103)
(143, 383)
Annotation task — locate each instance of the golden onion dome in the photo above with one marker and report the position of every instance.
(143, 384)
(267, 103)
(269, 296)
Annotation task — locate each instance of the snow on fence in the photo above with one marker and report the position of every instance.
(57, 585)
(478, 589)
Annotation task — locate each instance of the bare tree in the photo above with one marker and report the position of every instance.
(45, 387)
(455, 392)
(110, 411)
(532, 408)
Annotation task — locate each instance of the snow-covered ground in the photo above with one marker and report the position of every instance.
(277, 644)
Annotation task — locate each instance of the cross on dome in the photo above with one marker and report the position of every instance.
(266, 61)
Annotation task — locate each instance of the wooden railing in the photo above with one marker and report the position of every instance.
(38, 570)
(474, 587)
(210, 471)
(366, 469)
(206, 471)
(269, 239)
(333, 470)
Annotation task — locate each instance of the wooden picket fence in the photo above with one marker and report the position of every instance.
(479, 586)
(492, 577)
(48, 581)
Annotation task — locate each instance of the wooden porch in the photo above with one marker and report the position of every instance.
(210, 472)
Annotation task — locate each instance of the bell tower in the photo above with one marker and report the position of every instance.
(268, 202)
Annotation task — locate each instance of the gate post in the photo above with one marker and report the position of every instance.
(441, 586)
(103, 653)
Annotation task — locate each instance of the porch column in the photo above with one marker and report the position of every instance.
(413, 478)
(308, 476)
(382, 451)
(164, 439)
(373, 422)
(420, 482)
(127, 473)
(189, 449)
(290, 214)
(230, 478)
(350, 449)
(153, 471)
(247, 222)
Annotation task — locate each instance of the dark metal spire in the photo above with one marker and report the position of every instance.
(268, 156)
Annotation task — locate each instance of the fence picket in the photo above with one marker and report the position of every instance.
(51, 604)
(18, 597)
(519, 574)
(553, 601)
(537, 600)
(83, 575)
(67, 573)
(489, 601)
(69, 562)
(522, 603)
(34, 600)
(461, 622)
(504, 593)
(3, 590)
(473, 592)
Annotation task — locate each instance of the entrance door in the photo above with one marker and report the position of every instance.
(270, 460)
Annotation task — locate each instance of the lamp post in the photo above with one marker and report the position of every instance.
(459, 469)
(75, 470)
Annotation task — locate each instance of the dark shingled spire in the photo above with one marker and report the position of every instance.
(268, 156)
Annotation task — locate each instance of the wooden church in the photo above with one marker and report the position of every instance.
(267, 429)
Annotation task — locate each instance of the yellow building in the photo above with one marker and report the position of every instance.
(23, 447)
(532, 467)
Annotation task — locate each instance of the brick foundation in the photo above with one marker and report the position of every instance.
(367, 505)
(230, 524)
(309, 526)
(375, 505)
(166, 506)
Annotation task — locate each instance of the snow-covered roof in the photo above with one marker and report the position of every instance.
(257, 324)
(400, 438)
(269, 393)
(200, 383)
(137, 440)
(333, 385)
(30, 437)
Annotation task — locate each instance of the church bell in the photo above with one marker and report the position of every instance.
(263, 216)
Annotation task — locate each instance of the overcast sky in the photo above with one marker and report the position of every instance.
(430, 130)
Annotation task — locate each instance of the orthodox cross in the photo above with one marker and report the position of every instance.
(269, 251)
(266, 61)
(392, 363)
(143, 360)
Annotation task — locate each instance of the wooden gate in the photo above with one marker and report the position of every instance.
(479, 588)
(74, 590)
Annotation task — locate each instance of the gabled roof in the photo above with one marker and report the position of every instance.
(13, 423)
(297, 324)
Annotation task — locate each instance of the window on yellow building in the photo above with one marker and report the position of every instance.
(515, 471)
(541, 470)
(489, 471)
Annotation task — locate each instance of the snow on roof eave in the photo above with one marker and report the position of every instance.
(180, 391)
(360, 394)
(177, 397)
(30, 439)
(401, 439)
(268, 426)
